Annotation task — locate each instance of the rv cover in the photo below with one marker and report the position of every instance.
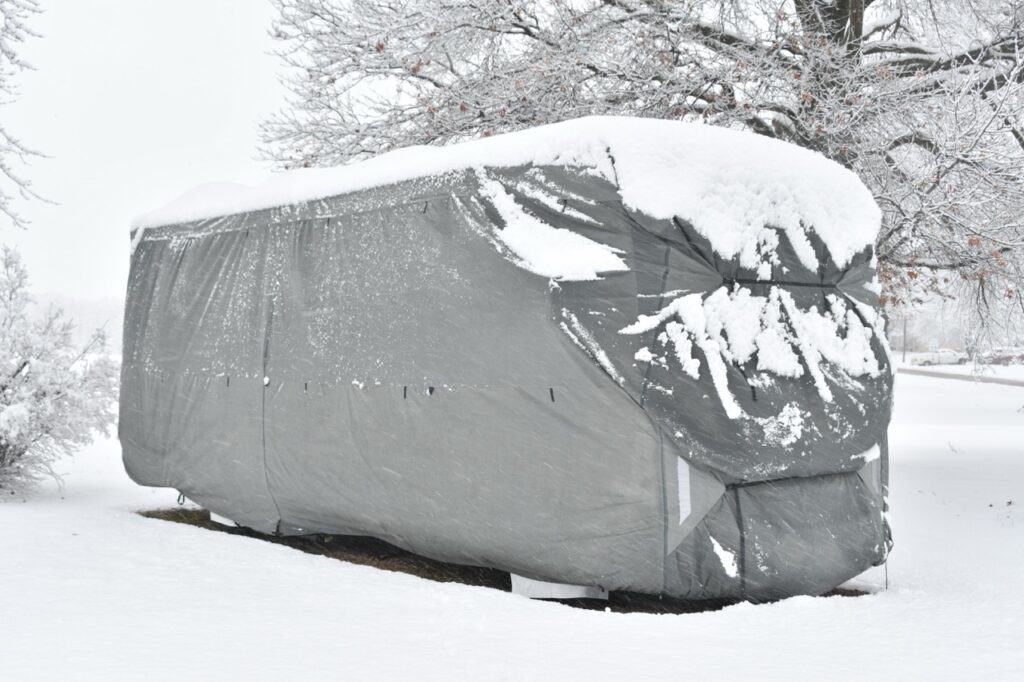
(629, 354)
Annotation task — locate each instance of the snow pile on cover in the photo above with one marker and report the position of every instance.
(727, 558)
(728, 184)
(730, 327)
(582, 337)
(545, 250)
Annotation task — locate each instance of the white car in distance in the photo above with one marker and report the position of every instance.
(942, 356)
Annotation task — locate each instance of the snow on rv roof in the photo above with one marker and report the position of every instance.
(728, 184)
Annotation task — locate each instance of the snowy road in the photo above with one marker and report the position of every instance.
(91, 591)
(979, 378)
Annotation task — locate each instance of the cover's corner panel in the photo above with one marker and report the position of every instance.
(806, 536)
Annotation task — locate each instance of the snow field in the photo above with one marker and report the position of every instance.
(92, 591)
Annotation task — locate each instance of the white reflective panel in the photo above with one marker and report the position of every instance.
(683, 477)
(537, 589)
(222, 520)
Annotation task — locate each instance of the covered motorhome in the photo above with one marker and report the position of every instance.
(616, 353)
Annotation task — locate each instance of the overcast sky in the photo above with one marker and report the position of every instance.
(134, 101)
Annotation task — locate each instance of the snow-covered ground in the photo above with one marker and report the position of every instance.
(89, 590)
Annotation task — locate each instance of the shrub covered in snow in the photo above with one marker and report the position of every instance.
(54, 397)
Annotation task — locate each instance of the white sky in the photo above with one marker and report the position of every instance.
(135, 101)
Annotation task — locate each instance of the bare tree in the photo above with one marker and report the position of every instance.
(922, 98)
(54, 397)
(14, 31)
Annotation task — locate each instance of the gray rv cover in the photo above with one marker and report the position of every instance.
(569, 353)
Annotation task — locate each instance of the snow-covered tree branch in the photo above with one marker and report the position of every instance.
(14, 31)
(54, 397)
(922, 98)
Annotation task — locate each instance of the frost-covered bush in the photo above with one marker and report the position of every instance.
(54, 396)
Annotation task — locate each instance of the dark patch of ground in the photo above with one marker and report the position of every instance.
(368, 551)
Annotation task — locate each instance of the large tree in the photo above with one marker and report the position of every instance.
(923, 99)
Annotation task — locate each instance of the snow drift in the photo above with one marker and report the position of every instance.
(621, 353)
